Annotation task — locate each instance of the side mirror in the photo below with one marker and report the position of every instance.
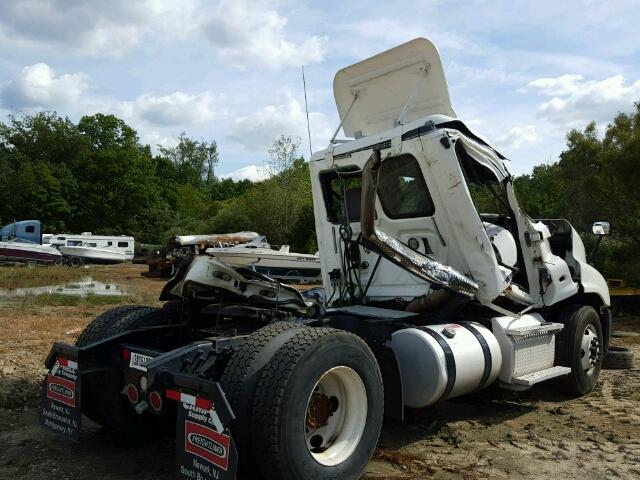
(601, 228)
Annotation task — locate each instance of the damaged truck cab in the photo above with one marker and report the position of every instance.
(404, 190)
(424, 298)
(397, 104)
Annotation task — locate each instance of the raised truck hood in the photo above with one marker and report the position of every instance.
(407, 78)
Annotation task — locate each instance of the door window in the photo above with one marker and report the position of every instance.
(342, 191)
(402, 190)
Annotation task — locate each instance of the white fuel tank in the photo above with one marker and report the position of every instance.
(444, 361)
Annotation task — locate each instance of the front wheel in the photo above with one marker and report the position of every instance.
(579, 346)
(318, 407)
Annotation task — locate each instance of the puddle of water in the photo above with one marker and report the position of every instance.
(81, 288)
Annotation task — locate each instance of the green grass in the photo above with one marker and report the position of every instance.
(59, 300)
(24, 277)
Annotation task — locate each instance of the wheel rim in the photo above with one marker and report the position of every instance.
(336, 415)
(590, 351)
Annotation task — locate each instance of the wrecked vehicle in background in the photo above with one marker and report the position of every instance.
(424, 299)
(164, 261)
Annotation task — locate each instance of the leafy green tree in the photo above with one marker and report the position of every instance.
(39, 145)
(195, 161)
(227, 188)
(116, 184)
(602, 176)
(279, 207)
(542, 193)
(189, 202)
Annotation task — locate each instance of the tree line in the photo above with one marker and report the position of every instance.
(597, 178)
(96, 175)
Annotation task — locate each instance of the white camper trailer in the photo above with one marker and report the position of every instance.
(89, 248)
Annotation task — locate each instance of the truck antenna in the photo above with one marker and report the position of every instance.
(306, 107)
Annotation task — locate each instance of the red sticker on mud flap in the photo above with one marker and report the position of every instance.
(207, 444)
(61, 390)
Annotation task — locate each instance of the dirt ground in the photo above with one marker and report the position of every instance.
(492, 434)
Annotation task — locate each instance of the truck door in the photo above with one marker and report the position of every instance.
(405, 209)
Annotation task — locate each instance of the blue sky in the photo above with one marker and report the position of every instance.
(520, 73)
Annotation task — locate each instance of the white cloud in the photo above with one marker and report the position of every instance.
(179, 108)
(382, 32)
(462, 73)
(37, 86)
(255, 132)
(154, 138)
(518, 137)
(255, 173)
(91, 27)
(562, 85)
(576, 101)
(246, 33)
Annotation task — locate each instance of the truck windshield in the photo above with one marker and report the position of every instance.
(487, 197)
(487, 193)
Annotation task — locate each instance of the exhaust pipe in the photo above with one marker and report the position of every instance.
(397, 252)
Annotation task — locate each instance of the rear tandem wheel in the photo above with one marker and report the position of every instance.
(317, 411)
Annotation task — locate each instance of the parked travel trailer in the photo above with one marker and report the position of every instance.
(89, 248)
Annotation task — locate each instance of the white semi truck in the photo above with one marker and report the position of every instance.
(424, 298)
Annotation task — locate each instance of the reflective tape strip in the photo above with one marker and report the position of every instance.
(65, 362)
(188, 399)
(173, 395)
(198, 402)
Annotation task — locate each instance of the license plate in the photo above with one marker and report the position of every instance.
(138, 361)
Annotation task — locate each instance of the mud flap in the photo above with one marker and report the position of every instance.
(204, 447)
(60, 410)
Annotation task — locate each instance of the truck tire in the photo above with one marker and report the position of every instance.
(317, 411)
(101, 397)
(241, 376)
(618, 358)
(95, 330)
(579, 346)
